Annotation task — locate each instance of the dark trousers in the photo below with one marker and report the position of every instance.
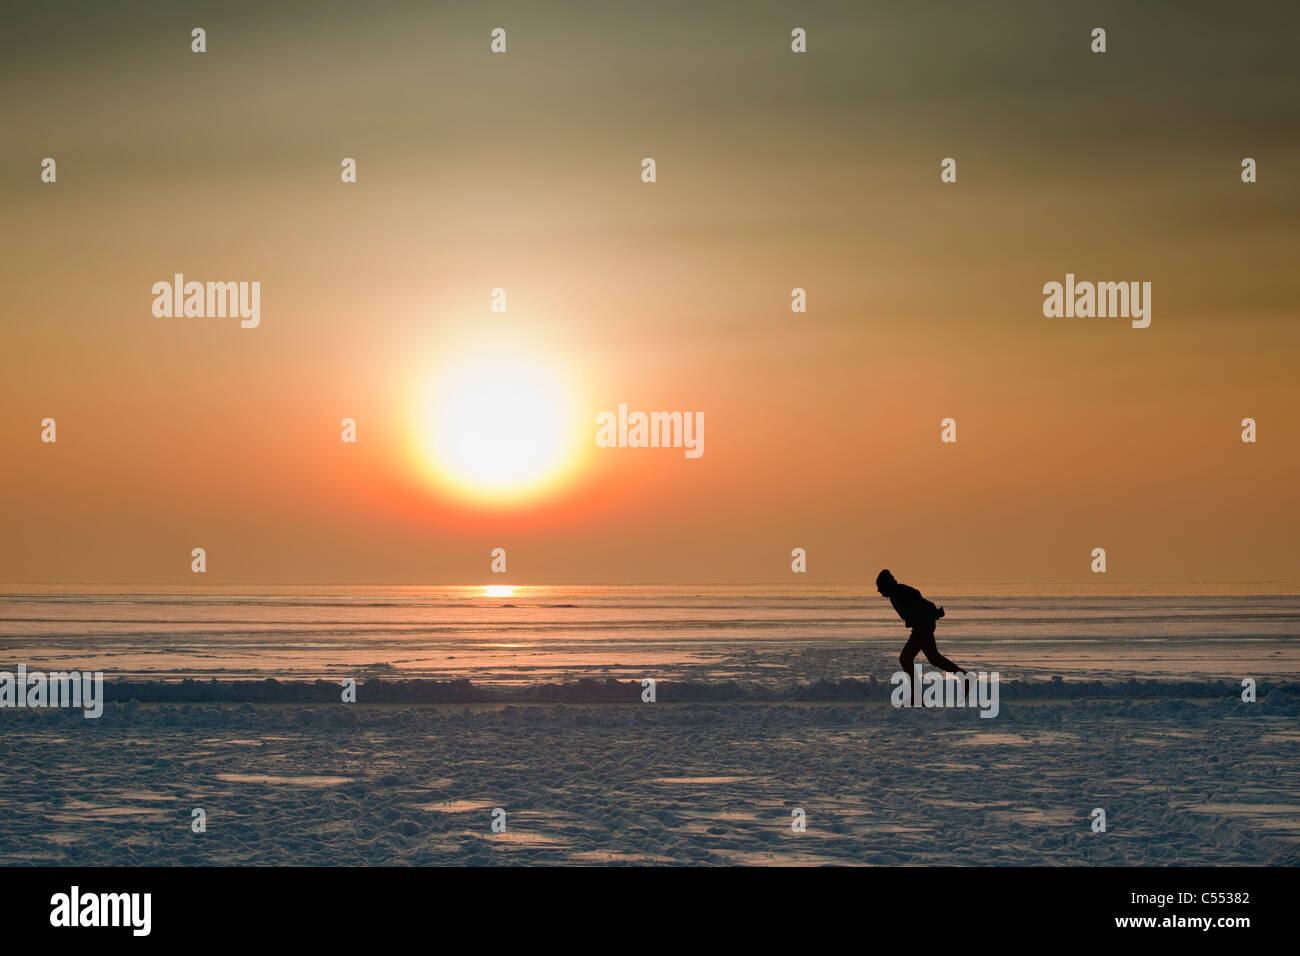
(922, 640)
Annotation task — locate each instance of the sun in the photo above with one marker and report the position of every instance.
(498, 590)
(499, 426)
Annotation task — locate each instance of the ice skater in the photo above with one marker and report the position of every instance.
(920, 615)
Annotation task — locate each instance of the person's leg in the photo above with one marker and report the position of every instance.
(932, 655)
(905, 659)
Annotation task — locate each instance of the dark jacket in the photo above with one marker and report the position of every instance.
(915, 610)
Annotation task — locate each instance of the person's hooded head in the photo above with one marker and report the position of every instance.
(885, 582)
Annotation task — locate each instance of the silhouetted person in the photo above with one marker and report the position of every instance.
(921, 616)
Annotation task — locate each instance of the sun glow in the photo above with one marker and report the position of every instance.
(499, 426)
(498, 590)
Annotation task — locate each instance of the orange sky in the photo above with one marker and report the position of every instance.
(775, 170)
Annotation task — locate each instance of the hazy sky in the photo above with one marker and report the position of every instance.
(774, 170)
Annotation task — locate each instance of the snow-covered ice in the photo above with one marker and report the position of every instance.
(1182, 781)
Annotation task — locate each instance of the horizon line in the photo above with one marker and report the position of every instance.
(867, 584)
